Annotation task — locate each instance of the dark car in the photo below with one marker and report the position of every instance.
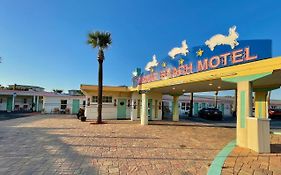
(274, 113)
(210, 113)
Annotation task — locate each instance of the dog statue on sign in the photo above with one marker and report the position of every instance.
(149, 66)
(179, 50)
(220, 39)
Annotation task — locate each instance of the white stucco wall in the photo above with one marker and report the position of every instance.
(156, 100)
(52, 102)
(109, 110)
(3, 105)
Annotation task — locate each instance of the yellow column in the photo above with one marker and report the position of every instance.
(244, 110)
(175, 108)
(259, 126)
(144, 117)
(261, 105)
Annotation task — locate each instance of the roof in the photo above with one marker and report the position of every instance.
(21, 85)
(32, 93)
(84, 87)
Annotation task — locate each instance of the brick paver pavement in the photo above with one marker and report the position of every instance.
(242, 161)
(58, 144)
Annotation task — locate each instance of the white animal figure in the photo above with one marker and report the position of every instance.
(179, 50)
(151, 64)
(220, 39)
(134, 73)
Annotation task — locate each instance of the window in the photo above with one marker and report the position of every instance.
(183, 106)
(94, 99)
(63, 104)
(105, 99)
(24, 100)
(187, 106)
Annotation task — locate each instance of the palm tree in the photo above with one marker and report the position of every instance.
(100, 40)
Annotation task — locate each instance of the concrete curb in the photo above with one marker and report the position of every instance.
(275, 133)
(217, 164)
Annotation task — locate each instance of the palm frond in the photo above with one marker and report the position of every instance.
(102, 40)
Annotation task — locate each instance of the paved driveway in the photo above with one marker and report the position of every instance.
(60, 144)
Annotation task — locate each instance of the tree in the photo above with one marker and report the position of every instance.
(101, 41)
(59, 91)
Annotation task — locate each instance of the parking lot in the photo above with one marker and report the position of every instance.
(61, 144)
(49, 144)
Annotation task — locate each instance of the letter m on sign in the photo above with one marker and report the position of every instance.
(201, 66)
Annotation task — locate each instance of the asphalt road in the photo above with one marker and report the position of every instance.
(13, 115)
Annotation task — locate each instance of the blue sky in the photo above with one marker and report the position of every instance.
(44, 42)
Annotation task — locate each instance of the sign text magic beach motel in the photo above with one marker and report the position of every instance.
(222, 56)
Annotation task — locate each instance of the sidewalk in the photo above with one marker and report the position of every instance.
(243, 161)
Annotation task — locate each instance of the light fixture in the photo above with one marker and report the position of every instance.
(174, 88)
(210, 84)
(219, 87)
(183, 90)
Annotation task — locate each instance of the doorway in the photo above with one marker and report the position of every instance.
(75, 106)
(149, 109)
(121, 109)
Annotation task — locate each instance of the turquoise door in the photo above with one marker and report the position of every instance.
(149, 109)
(121, 109)
(9, 103)
(75, 106)
(195, 108)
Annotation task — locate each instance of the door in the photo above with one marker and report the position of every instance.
(9, 103)
(149, 109)
(156, 109)
(195, 108)
(138, 108)
(75, 106)
(121, 109)
(222, 108)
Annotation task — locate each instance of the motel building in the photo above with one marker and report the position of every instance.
(31, 100)
(221, 63)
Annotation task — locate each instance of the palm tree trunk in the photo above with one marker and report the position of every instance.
(216, 99)
(100, 86)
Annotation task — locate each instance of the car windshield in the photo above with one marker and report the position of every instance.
(276, 110)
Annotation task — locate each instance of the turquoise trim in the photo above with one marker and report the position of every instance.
(216, 166)
(242, 109)
(246, 78)
(260, 109)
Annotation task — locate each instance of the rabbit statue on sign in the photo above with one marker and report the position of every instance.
(151, 64)
(179, 50)
(220, 39)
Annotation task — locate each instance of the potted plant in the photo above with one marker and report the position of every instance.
(83, 118)
(67, 111)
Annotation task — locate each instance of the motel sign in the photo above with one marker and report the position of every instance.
(201, 58)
